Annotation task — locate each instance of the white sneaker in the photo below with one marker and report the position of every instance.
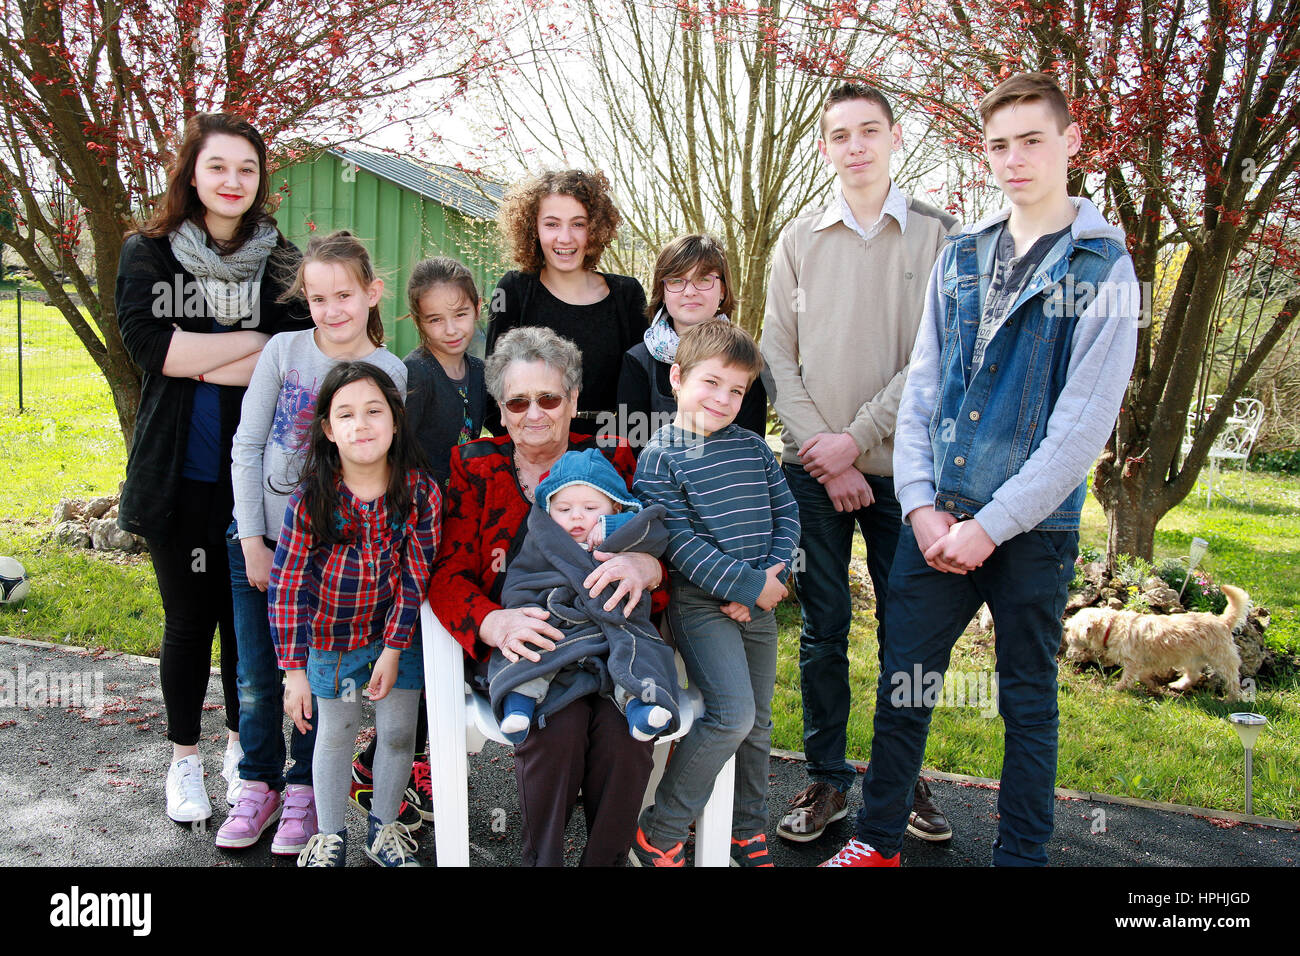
(187, 798)
(230, 771)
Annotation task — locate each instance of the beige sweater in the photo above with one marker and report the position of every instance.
(842, 315)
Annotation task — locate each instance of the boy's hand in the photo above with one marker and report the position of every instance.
(297, 699)
(773, 590)
(827, 454)
(257, 561)
(383, 673)
(596, 536)
(929, 525)
(849, 490)
(964, 548)
(737, 612)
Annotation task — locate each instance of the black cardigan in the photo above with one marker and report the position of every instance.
(162, 423)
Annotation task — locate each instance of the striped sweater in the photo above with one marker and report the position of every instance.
(730, 515)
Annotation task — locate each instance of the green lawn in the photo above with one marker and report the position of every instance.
(1178, 750)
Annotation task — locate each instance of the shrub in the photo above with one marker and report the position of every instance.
(1282, 461)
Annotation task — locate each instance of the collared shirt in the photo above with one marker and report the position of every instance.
(895, 205)
(343, 597)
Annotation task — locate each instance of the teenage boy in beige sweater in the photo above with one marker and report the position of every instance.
(844, 301)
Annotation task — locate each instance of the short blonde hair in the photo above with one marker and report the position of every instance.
(715, 338)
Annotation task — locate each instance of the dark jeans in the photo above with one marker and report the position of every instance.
(584, 746)
(194, 581)
(261, 689)
(1024, 582)
(822, 582)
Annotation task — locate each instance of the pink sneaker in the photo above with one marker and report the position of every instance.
(257, 808)
(298, 823)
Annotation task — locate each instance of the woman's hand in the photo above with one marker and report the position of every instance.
(513, 629)
(297, 699)
(257, 561)
(634, 573)
(383, 673)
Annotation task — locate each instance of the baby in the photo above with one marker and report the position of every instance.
(582, 504)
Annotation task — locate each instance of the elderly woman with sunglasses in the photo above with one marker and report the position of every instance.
(534, 375)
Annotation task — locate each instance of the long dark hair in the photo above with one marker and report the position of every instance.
(342, 248)
(322, 470)
(181, 200)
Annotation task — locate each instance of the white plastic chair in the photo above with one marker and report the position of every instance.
(460, 721)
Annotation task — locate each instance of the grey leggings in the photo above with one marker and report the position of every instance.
(336, 738)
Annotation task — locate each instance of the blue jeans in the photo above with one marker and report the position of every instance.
(822, 583)
(261, 693)
(734, 667)
(334, 674)
(1024, 582)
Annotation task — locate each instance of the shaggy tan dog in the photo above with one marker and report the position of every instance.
(1151, 645)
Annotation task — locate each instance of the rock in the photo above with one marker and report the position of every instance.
(67, 509)
(71, 534)
(1162, 599)
(1260, 616)
(1085, 597)
(1250, 642)
(1108, 594)
(107, 536)
(1115, 604)
(1095, 573)
(97, 507)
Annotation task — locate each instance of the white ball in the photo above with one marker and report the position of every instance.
(13, 581)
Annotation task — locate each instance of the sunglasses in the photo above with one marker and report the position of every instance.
(547, 402)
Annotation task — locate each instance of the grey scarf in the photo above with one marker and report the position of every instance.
(231, 284)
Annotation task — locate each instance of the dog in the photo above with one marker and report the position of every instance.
(1151, 645)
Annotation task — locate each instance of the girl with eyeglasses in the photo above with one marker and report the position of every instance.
(692, 284)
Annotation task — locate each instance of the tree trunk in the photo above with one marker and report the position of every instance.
(1133, 497)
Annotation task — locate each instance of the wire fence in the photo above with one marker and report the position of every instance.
(41, 358)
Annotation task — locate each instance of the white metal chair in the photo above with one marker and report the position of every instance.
(1233, 443)
(460, 721)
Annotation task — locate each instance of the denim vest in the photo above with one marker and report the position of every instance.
(983, 431)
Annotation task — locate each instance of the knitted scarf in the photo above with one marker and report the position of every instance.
(231, 284)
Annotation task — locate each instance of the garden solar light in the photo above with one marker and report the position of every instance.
(1248, 727)
(1198, 549)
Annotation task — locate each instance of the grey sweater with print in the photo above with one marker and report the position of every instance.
(274, 422)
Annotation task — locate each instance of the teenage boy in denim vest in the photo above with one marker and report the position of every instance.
(844, 302)
(1019, 369)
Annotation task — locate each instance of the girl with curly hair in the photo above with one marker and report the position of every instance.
(557, 225)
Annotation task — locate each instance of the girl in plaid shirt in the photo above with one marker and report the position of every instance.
(350, 570)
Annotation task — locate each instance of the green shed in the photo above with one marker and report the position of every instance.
(403, 211)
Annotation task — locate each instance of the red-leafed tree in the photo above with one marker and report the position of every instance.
(95, 92)
(1190, 111)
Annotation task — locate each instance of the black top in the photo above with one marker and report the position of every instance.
(603, 331)
(640, 401)
(436, 411)
(153, 292)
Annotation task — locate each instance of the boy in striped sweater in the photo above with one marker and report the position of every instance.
(733, 528)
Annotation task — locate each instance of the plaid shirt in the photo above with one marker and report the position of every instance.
(343, 597)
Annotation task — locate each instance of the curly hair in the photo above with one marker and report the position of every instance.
(518, 215)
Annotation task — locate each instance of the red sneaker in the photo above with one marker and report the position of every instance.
(857, 853)
(643, 853)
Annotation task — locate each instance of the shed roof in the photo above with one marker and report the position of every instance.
(472, 195)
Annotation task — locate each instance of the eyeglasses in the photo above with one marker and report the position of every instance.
(702, 284)
(547, 402)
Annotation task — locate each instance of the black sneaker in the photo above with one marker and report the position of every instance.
(419, 791)
(363, 796)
